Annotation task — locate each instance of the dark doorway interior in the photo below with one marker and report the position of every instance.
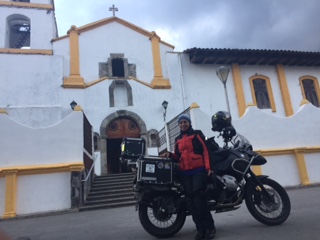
(113, 155)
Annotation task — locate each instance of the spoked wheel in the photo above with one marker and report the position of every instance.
(160, 218)
(272, 211)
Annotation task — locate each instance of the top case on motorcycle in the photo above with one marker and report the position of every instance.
(132, 148)
(154, 170)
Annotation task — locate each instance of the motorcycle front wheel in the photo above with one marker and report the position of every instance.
(158, 219)
(270, 213)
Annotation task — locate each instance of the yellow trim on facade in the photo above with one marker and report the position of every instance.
(139, 81)
(78, 108)
(42, 169)
(194, 105)
(269, 88)
(237, 81)
(27, 5)
(87, 85)
(11, 174)
(284, 151)
(315, 83)
(299, 155)
(25, 51)
(158, 81)
(301, 163)
(3, 111)
(74, 80)
(95, 82)
(118, 20)
(11, 194)
(284, 90)
(304, 101)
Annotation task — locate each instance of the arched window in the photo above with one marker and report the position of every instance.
(18, 33)
(153, 138)
(310, 89)
(120, 94)
(262, 92)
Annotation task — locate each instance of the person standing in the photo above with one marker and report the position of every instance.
(194, 168)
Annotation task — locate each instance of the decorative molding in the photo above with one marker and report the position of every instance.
(42, 169)
(284, 90)
(74, 80)
(269, 88)
(3, 111)
(110, 20)
(237, 81)
(25, 51)
(27, 5)
(194, 105)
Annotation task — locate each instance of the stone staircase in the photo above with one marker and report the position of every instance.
(114, 190)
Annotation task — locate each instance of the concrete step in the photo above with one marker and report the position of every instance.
(109, 191)
(109, 196)
(105, 188)
(104, 206)
(109, 200)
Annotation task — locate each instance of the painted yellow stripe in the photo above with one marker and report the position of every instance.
(42, 169)
(284, 90)
(11, 174)
(27, 5)
(25, 51)
(237, 81)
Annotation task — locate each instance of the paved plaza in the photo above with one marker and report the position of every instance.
(123, 224)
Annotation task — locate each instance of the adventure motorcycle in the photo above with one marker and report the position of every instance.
(161, 201)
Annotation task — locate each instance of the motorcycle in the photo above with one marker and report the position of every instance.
(161, 203)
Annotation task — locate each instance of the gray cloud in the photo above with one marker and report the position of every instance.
(243, 24)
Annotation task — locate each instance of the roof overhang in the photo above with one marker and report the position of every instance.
(252, 57)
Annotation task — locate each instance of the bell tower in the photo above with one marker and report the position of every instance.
(27, 24)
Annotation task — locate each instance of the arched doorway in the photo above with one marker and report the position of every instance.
(104, 137)
(118, 129)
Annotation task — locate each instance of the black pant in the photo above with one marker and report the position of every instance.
(197, 204)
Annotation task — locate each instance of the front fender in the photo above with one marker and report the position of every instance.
(262, 176)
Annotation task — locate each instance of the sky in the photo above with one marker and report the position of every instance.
(236, 24)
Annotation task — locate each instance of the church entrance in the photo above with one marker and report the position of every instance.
(116, 131)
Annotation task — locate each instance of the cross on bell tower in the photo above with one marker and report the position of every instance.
(113, 9)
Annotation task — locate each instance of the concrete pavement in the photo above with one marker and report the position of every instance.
(123, 224)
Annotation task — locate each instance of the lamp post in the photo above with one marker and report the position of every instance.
(223, 72)
(73, 104)
(165, 105)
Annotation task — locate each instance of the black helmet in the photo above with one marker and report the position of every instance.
(220, 120)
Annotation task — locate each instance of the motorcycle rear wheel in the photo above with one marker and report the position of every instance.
(269, 213)
(157, 222)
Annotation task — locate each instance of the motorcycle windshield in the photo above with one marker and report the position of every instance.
(240, 142)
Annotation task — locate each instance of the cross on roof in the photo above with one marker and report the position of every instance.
(113, 9)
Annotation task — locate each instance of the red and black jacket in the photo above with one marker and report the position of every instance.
(191, 151)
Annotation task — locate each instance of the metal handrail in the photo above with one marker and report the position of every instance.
(94, 160)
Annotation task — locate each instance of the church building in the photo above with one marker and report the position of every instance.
(68, 100)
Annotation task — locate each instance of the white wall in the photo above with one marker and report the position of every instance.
(266, 132)
(43, 193)
(40, 35)
(24, 146)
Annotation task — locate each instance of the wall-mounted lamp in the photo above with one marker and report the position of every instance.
(73, 104)
(164, 105)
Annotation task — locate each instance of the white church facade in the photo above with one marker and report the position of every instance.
(119, 74)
